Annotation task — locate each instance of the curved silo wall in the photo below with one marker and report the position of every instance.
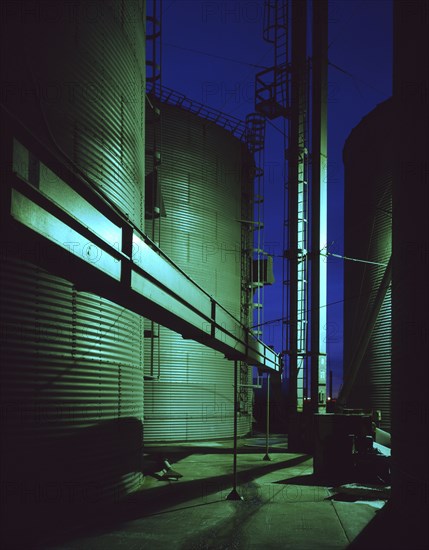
(368, 164)
(202, 175)
(72, 362)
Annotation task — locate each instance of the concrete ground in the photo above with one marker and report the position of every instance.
(283, 506)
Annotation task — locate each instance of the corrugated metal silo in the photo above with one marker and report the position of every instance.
(72, 362)
(203, 179)
(368, 164)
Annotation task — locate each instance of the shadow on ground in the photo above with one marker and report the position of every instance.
(159, 499)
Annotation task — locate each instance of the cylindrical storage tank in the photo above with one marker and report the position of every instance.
(72, 362)
(368, 166)
(204, 176)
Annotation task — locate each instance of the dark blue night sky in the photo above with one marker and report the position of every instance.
(211, 52)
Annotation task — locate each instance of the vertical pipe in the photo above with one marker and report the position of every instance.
(319, 206)
(233, 495)
(152, 344)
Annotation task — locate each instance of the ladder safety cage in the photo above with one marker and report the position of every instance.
(285, 90)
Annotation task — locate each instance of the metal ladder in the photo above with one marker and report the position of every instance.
(272, 85)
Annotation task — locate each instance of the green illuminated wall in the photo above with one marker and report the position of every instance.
(203, 178)
(71, 366)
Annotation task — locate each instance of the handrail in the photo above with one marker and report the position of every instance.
(232, 124)
(151, 285)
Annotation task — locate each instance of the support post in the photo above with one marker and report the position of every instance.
(267, 428)
(233, 495)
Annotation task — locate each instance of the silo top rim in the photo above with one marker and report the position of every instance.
(231, 124)
(383, 111)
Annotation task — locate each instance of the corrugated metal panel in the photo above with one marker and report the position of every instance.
(72, 363)
(81, 89)
(202, 177)
(368, 161)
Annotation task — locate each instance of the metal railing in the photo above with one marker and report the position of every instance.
(234, 125)
(131, 271)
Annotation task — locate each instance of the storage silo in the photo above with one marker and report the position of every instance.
(204, 179)
(72, 362)
(368, 165)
